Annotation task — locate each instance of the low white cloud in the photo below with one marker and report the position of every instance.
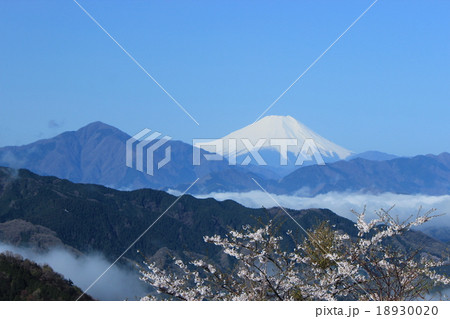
(117, 284)
(343, 203)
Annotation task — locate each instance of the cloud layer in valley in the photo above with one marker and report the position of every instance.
(117, 284)
(343, 203)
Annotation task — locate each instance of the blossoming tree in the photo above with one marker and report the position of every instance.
(325, 265)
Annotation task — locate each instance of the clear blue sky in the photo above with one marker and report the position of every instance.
(384, 86)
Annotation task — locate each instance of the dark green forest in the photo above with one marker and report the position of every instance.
(23, 280)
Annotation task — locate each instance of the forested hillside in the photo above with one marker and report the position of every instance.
(22, 279)
(96, 218)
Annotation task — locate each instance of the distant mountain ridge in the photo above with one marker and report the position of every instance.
(373, 156)
(96, 154)
(423, 174)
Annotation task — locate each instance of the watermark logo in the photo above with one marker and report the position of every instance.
(145, 149)
(141, 149)
(220, 149)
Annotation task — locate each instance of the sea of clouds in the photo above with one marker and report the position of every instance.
(343, 203)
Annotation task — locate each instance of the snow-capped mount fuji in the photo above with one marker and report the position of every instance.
(275, 128)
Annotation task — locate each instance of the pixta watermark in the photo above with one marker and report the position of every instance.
(141, 151)
(145, 149)
(221, 149)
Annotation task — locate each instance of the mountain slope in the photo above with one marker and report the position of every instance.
(95, 218)
(21, 233)
(96, 154)
(424, 174)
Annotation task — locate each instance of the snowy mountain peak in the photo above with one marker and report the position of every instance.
(275, 127)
